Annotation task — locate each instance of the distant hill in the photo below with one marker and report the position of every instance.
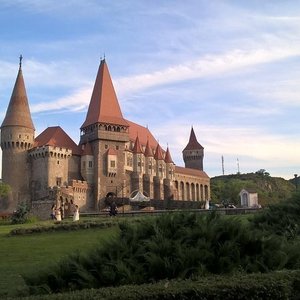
(269, 189)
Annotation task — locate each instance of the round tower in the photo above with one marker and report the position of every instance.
(193, 153)
(17, 137)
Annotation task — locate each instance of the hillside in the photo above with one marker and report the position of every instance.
(269, 189)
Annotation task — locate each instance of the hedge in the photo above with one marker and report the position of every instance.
(275, 285)
(61, 227)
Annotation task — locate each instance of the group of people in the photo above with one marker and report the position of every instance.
(59, 212)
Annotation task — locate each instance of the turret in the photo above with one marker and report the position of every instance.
(149, 160)
(159, 172)
(149, 170)
(17, 137)
(138, 157)
(168, 181)
(87, 163)
(193, 153)
(138, 166)
(170, 167)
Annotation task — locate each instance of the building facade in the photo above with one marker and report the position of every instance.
(114, 157)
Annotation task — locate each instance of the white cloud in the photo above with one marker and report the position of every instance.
(255, 147)
(77, 101)
(207, 66)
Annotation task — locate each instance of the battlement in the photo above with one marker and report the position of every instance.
(50, 151)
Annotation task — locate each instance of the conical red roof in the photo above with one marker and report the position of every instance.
(57, 137)
(168, 158)
(137, 149)
(18, 113)
(104, 106)
(193, 143)
(158, 153)
(148, 150)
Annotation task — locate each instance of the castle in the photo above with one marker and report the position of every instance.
(114, 157)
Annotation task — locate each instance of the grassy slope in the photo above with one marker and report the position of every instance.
(32, 253)
(269, 189)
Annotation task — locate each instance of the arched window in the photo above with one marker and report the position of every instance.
(182, 191)
(188, 194)
(193, 192)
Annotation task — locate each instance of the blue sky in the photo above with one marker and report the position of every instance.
(230, 69)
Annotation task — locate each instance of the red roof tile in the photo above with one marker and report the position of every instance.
(193, 143)
(148, 150)
(192, 172)
(143, 133)
(137, 149)
(18, 113)
(104, 106)
(57, 137)
(168, 158)
(158, 153)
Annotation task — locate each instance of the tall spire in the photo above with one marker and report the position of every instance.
(18, 112)
(104, 106)
(193, 143)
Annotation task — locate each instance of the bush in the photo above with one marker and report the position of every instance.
(20, 215)
(60, 226)
(177, 245)
(282, 218)
(275, 285)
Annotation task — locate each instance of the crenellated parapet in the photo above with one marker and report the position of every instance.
(51, 152)
(13, 138)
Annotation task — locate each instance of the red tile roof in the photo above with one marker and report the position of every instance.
(18, 113)
(158, 153)
(148, 150)
(57, 137)
(104, 106)
(192, 172)
(168, 158)
(193, 143)
(143, 133)
(137, 149)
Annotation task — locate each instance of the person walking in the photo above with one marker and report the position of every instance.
(52, 215)
(58, 213)
(76, 213)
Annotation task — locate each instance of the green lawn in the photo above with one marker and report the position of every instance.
(33, 253)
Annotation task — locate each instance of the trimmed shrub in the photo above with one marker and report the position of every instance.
(275, 285)
(177, 245)
(59, 226)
